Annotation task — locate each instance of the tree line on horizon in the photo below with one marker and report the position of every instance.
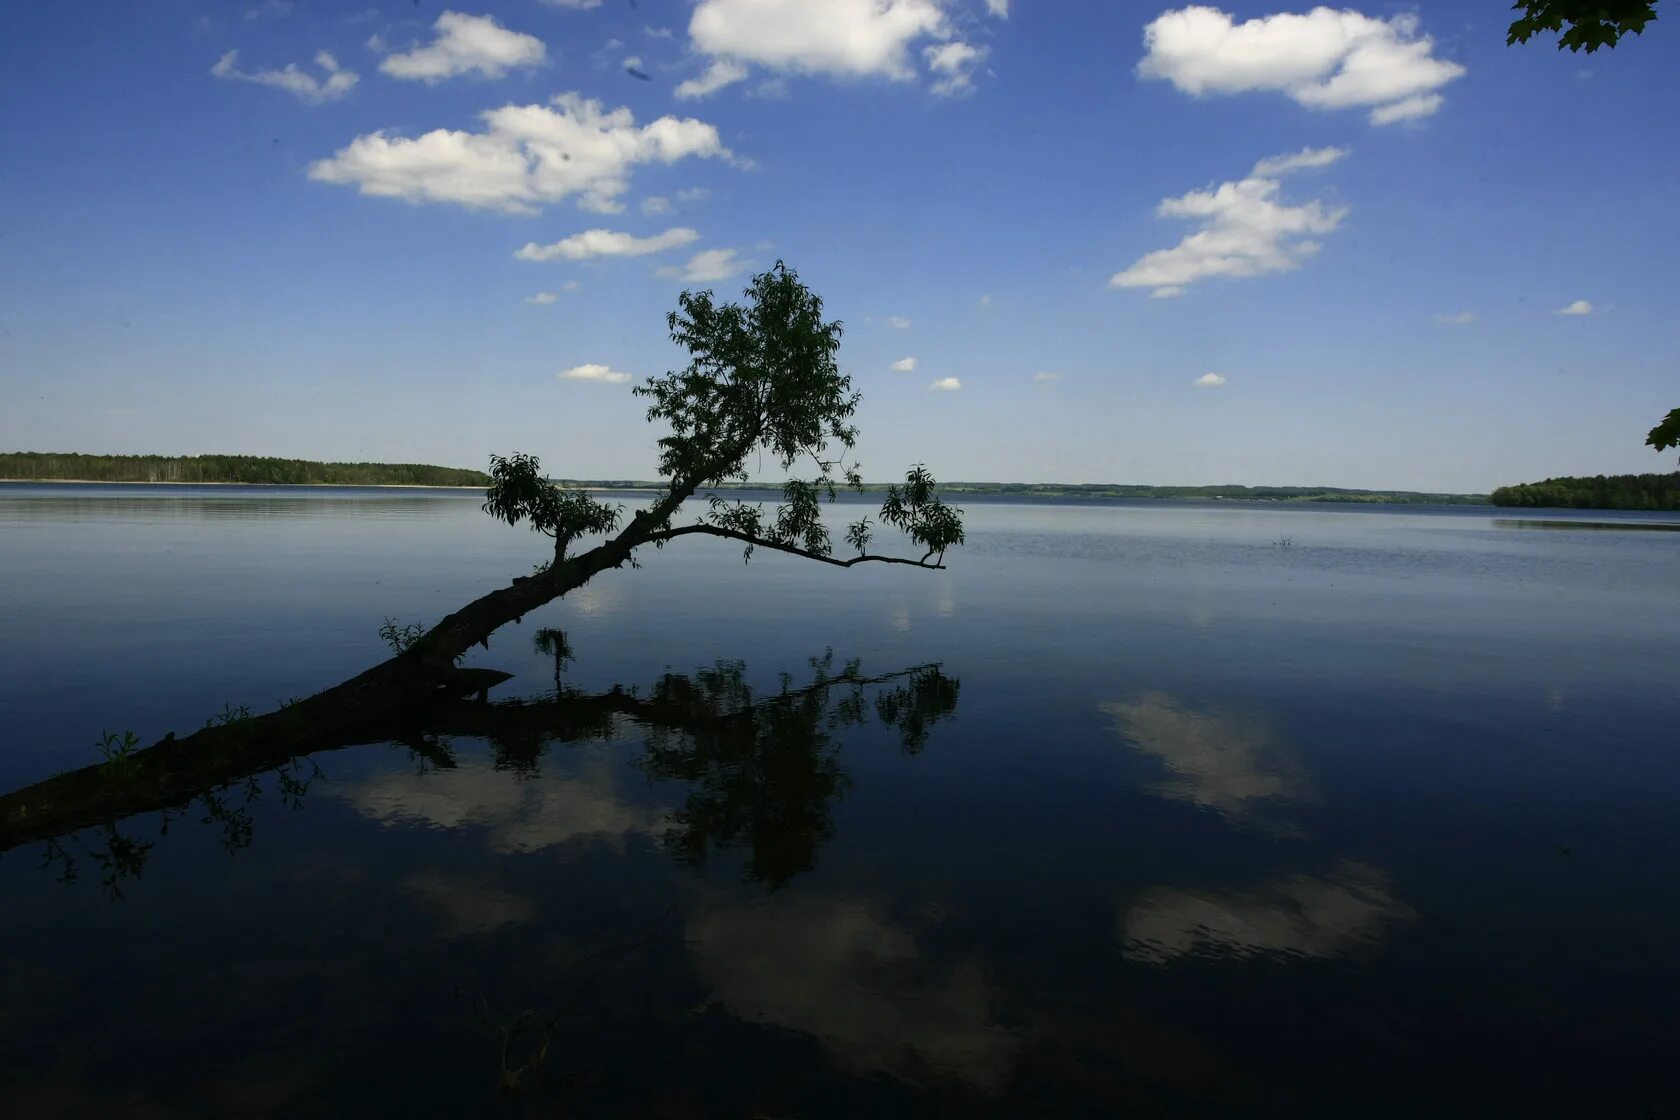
(257, 470)
(1617, 491)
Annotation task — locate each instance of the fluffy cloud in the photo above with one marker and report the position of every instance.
(998, 8)
(1244, 229)
(466, 44)
(305, 87)
(516, 816)
(1297, 916)
(946, 385)
(526, 154)
(706, 266)
(841, 970)
(1457, 319)
(1325, 59)
(574, 5)
(1579, 307)
(593, 371)
(1044, 378)
(542, 299)
(838, 38)
(904, 365)
(656, 205)
(1219, 761)
(607, 243)
(954, 64)
(1209, 381)
(898, 321)
(719, 74)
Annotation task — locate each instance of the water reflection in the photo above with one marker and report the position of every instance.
(840, 969)
(761, 771)
(1349, 907)
(1230, 764)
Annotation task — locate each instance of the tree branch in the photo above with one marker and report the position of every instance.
(776, 546)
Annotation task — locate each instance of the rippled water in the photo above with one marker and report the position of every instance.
(1226, 810)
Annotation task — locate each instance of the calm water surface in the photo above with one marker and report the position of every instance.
(1232, 810)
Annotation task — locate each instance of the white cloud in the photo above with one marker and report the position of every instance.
(1296, 916)
(1044, 378)
(985, 301)
(706, 266)
(570, 286)
(1411, 109)
(656, 205)
(526, 154)
(657, 32)
(593, 371)
(898, 321)
(279, 9)
(1579, 307)
(542, 299)
(582, 807)
(954, 64)
(607, 243)
(1307, 159)
(1244, 229)
(574, 5)
(634, 62)
(837, 38)
(904, 365)
(304, 87)
(376, 43)
(998, 8)
(1325, 59)
(465, 44)
(688, 196)
(1209, 381)
(842, 972)
(946, 385)
(1457, 318)
(719, 74)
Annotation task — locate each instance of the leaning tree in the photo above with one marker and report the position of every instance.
(762, 377)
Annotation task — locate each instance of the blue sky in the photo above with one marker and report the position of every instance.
(203, 251)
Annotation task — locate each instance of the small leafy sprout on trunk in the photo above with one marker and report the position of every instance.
(401, 639)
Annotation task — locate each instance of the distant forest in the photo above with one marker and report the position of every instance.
(1122, 490)
(1616, 491)
(36, 466)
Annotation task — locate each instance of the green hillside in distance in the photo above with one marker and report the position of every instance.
(37, 466)
(1616, 491)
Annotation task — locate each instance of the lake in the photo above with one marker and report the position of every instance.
(1207, 810)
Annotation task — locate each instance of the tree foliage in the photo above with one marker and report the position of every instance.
(763, 377)
(1581, 24)
(519, 492)
(1619, 491)
(1666, 434)
(249, 470)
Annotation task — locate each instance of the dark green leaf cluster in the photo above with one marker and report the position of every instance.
(519, 492)
(923, 514)
(1581, 24)
(1620, 491)
(760, 375)
(1666, 434)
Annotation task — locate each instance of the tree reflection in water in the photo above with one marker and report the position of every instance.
(762, 769)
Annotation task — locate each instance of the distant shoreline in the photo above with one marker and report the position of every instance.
(290, 485)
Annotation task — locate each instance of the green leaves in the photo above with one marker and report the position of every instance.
(519, 492)
(1666, 434)
(1591, 23)
(761, 375)
(921, 513)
